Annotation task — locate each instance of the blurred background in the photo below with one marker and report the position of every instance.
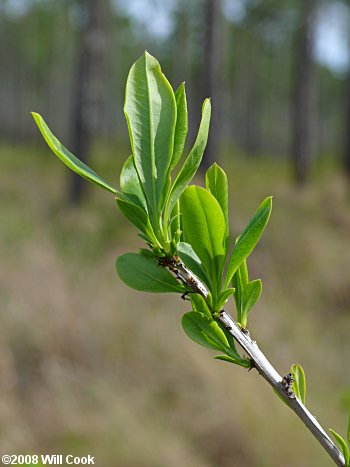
(91, 367)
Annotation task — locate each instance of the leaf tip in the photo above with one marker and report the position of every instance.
(206, 102)
(37, 117)
(268, 203)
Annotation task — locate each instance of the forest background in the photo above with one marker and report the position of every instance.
(78, 375)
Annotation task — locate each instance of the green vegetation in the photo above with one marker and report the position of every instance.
(299, 383)
(171, 213)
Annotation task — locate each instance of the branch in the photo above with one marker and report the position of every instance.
(281, 385)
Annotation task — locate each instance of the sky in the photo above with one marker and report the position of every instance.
(332, 38)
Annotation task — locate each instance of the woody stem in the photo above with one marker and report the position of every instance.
(261, 363)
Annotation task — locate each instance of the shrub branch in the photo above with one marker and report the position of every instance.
(280, 384)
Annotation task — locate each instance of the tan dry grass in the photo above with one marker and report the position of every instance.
(89, 366)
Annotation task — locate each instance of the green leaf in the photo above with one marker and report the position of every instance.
(181, 127)
(199, 305)
(192, 261)
(342, 445)
(299, 383)
(243, 270)
(192, 161)
(224, 296)
(216, 183)
(150, 111)
(236, 361)
(130, 184)
(205, 331)
(239, 281)
(138, 217)
(204, 228)
(175, 223)
(251, 295)
(142, 272)
(231, 342)
(68, 158)
(249, 238)
(348, 433)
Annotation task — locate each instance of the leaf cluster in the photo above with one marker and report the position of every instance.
(178, 221)
(200, 326)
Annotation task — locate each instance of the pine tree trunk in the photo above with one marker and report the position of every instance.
(304, 94)
(88, 86)
(211, 75)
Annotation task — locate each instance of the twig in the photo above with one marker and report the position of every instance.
(260, 362)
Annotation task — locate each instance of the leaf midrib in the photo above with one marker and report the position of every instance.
(209, 242)
(153, 166)
(156, 279)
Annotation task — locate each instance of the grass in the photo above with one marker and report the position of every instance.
(91, 367)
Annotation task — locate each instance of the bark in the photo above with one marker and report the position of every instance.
(88, 86)
(304, 94)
